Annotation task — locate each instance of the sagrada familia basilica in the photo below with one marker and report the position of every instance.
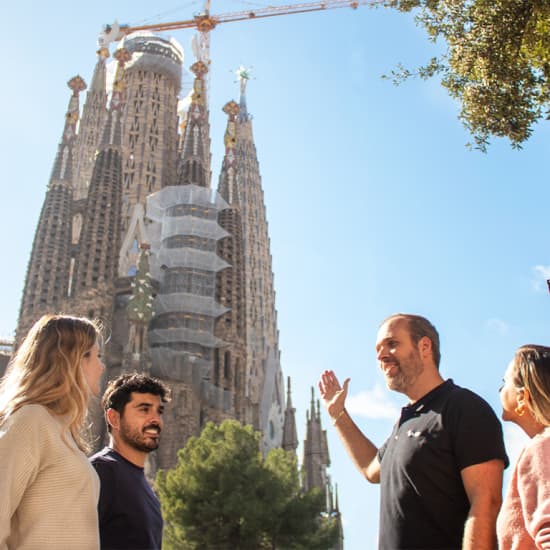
(133, 233)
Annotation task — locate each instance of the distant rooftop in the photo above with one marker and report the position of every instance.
(6, 345)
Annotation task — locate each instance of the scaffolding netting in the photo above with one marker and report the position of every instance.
(179, 365)
(173, 195)
(193, 371)
(184, 234)
(176, 335)
(186, 302)
(192, 225)
(185, 257)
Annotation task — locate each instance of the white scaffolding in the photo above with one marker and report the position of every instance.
(184, 236)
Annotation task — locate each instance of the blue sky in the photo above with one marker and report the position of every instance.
(374, 204)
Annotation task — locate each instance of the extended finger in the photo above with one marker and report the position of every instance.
(329, 379)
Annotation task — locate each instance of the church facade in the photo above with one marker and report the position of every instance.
(132, 232)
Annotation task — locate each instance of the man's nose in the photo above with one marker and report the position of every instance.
(156, 418)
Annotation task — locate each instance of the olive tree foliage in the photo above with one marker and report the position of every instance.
(496, 62)
(222, 494)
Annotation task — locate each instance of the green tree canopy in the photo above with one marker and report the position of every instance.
(497, 62)
(222, 494)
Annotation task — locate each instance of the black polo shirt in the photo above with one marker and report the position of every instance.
(423, 504)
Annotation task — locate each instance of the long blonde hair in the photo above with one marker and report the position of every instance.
(532, 372)
(46, 370)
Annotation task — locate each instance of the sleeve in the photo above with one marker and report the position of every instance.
(381, 451)
(107, 490)
(384, 446)
(475, 430)
(534, 491)
(20, 457)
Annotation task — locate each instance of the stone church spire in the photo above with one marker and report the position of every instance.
(94, 114)
(98, 239)
(290, 435)
(227, 185)
(243, 74)
(316, 458)
(63, 166)
(47, 274)
(230, 362)
(152, 83)
(315, 463)
(264, 378)
(96, 265)
(194, 164)
(335, 513)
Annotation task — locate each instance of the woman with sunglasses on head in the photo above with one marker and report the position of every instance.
(48, 489)
(524, 520)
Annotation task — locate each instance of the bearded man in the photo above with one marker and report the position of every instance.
(440, 471)
(129, 511)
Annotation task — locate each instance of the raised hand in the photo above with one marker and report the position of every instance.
(332, 394)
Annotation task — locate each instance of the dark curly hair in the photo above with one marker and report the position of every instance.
(119, 391)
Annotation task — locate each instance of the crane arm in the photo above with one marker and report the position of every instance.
(204, 22)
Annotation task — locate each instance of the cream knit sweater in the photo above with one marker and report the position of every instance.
(524, 519)
(48, 490)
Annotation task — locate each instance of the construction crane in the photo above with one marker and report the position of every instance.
(204, 22)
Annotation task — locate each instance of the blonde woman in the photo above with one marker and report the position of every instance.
(48, 489)
(524, 520)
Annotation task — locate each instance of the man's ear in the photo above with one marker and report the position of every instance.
(113, 418)
(425, 347)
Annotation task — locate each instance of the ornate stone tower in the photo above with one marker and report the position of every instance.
(315, 463)
(264, 385)
(230, 362)
(47, 281)
(95, 272)
(181, 276)
(316, 458)
(152, 83)
(94, 116)
(131, 232)
(290, 436)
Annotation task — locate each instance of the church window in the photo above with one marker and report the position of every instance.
(217, 366)
(226, 364)
(196, 135)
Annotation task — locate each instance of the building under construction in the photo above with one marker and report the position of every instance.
(133, 232)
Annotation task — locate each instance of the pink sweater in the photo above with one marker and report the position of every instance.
(524, 519)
